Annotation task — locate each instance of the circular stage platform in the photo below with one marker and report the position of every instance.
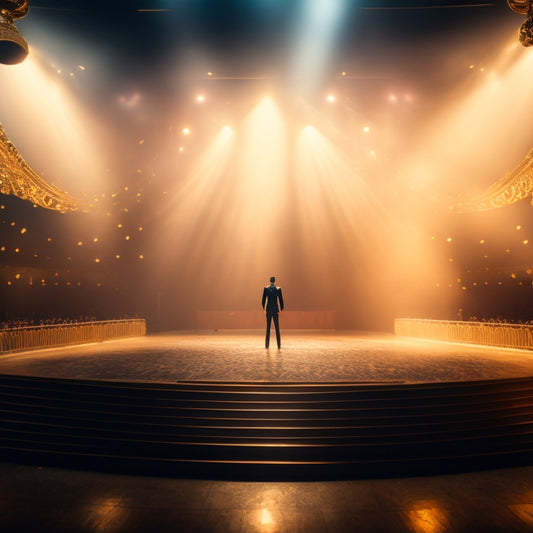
(305, 356)
(327, 405)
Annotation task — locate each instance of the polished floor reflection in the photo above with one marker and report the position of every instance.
(44, 499)
(305, 356)
(40, 500)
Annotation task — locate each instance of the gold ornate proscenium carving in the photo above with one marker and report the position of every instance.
(524, 7)
(510, 189)
(13, 47)
(19, 179)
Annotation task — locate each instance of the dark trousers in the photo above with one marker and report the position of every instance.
(270, 317)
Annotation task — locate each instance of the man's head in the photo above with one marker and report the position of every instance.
(272, 279)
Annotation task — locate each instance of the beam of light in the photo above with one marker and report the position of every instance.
(340, 222)
(52, 131)
(315, 40)
(198, 203)
(480, 135)
(265, 201)
(194, 236)
(263, 160)
(231, 205)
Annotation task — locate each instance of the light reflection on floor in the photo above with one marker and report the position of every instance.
(305, 356)
(53, 500)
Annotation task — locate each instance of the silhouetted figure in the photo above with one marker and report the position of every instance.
(272, 295)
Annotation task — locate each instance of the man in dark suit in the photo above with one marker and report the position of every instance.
(272, 295)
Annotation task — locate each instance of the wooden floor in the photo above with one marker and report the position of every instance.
(305, 356)
(38, 498)
(52, 500)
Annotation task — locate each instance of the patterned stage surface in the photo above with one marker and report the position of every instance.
(305, 356)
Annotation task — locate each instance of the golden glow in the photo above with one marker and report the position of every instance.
(67, 151)
(454, 154)
(428, 520)
(232, 202)
(266, 519)
(524, 511)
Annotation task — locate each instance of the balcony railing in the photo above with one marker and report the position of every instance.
(488, 333)
(34, 337)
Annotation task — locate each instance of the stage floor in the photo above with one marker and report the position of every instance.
(305, 356)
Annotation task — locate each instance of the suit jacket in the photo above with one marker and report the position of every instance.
(272, 295)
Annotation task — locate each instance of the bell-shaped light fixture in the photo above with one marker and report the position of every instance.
(13, 47)
(524, 7)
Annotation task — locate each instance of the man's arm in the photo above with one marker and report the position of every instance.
(264, 298)
(280, 297)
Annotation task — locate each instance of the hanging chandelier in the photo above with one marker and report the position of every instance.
(524, 7)
(13, 47)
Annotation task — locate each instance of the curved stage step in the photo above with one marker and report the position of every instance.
(267, 430)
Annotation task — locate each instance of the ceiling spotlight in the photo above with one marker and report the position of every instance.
(524, 7)
(13, 47)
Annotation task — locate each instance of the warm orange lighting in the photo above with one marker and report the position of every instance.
(266, 517)
(428, 520)
(186, 131)
(200, 98)
(331, 98)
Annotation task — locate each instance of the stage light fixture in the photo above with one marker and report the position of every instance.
(524, 7)
(13, 47)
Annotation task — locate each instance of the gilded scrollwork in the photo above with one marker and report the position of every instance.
(13, 9)
(19, 179)
(516, 186)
